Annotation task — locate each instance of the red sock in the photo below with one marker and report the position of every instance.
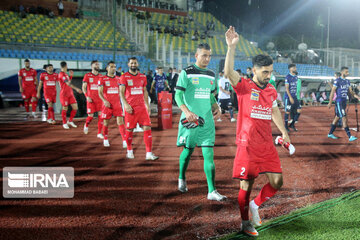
(26, 105)
(63, 115)
(105, 132)
(122, 131)
(33, 106)
(72, 115)
(243, 200)
(128, 137)
(49, 116)
(100, 124)
(88, 120)
(148, 140)
(265, 194)
(52, 114)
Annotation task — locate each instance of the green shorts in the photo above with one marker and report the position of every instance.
(203, 136)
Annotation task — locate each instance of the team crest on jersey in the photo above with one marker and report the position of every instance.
(91, 80)
(254, 96)
(24, 74)
(130, 82)
(46, 78)
(107, 83)
(195, 80)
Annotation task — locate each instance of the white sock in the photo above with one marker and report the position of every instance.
(253, 204)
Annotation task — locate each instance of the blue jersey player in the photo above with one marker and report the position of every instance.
(159, 82)
(342, 88)
(292, 104)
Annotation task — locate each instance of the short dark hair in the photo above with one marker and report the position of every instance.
(291, 65)
(205, 46)
(262, 60)
(94, 61)
(239, 71)
(338, 74)
(248, 68)
(132, 58)
(344, 68)
(160, 67)
(63, 64)
(27, 60)
(111, 62)
(45, 66)
(49, 65)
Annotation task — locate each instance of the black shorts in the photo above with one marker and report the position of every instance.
(225, 104)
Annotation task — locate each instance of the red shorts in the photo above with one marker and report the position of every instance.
(94, 106)
(140, 116)
(250, 161)
(67, 100)
(50, 96)
(115, 110)
(28, 93)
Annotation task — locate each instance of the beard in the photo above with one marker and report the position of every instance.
(97, 69)
(133, 69)
(264, 81)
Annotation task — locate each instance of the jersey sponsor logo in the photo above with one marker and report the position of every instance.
(136, 91)
(195, 80)
(107, 83)
(113, 90)
(50, 83)
(260, 112)
(254, 96)
(202, 93)
(130, 82)
(94, 87)
(29, 79)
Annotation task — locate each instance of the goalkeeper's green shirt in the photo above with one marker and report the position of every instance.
(198, 84)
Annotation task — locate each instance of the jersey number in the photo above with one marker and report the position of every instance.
(242, 171)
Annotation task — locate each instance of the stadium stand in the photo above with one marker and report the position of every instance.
(160, 22)
(40, 30)
(50, 5)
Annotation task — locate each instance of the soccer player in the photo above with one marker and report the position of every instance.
(194, 97)
(342, 88)
(225, 98)
(110, 95)
(67, 95)
(48, 79)
(93, 101)
(134, 97)
(27, 78)
(255, 152)
(291, 101)
(159, 82)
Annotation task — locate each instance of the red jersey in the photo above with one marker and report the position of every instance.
(255, 113)
(49, 81)
(134, 89)
(92, 86)
(65, 89)
(110, 88)
(28, 77)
